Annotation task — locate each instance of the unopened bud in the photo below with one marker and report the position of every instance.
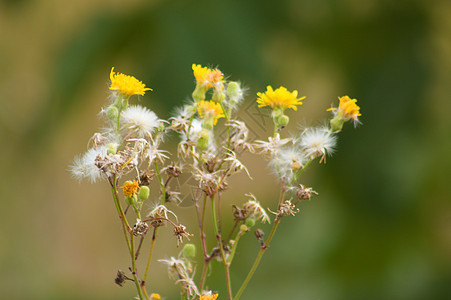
(243, 228)
(250, 222)
(234, 90)
(202, 141)
(144, 192)
(189, 250)
(112, 112)
(283, 120)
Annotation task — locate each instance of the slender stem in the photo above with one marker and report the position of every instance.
(262, 250)
(125, 226)
(163, 187)
(149, 258)
(302, 170)
(235, 244)
(135, 277)
(233, 229)
(204, 243)
(221, 247)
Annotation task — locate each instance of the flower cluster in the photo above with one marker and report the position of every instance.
(128, 153)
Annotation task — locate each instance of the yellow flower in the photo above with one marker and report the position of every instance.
(126, 85)
(347, 108)
(130, 188)
(155, 296)
(210, 109)
(206, 76)
(209, 297)
(281, 98)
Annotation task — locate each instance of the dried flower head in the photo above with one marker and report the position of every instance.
(126, 85)
(273, 145)
(253, 208)
(280, 98)
(286, 209)
(140, 228)
(160, 212)
(305, 193)
(180, 233)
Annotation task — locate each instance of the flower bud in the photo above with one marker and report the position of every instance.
(243, 228)
(250, 221)
(283, 120)
(202, 140)
(144, 192)
(234, 90)
(189, 250)
(112, 112)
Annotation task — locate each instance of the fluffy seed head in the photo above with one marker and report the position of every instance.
(317, 142)
(138, 121)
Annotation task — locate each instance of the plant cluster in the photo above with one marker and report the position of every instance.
(128, 154)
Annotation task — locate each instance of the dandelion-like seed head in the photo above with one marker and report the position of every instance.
(139, 121)
(85, 166)
(317, 142)
(127, 85)
(280, 98)
(210, 109)
(130, 188)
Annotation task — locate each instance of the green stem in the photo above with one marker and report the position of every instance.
(126, 228)
(221, 247)
(262, 250)
(227, 116)
(163, 187)
(235, 244)
(204, 245)
(149, 258)
(135, 277)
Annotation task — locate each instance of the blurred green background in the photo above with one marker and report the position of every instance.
(381, 225)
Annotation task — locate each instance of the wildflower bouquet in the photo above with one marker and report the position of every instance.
(128, 155)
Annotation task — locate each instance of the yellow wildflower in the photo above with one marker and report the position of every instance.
(130, 188)
(207, 77)
(348, 108)
(281, 98)
(155, 296)
(210, 109)
(126, 85)
(209, 296)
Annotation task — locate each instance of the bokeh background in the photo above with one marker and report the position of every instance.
(381, 225)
